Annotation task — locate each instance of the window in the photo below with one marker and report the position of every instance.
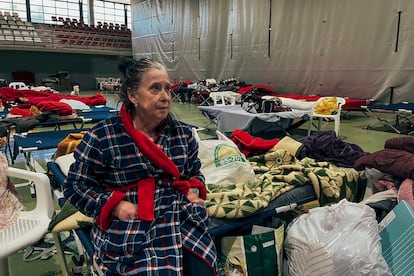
(111, 12)
(41, 11)
(11, 6)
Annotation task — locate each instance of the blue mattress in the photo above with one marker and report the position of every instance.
(96, 114)
(393, 107)
(50, 139)
(39, 140)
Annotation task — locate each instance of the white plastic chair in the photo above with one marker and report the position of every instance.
(219, 99)
(17, 85)
(30, 226)
(99, 82)
(336, 117)
(222, 98)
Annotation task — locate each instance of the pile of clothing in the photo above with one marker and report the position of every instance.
(391, 168)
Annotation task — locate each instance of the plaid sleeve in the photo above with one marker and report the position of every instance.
(81, 186)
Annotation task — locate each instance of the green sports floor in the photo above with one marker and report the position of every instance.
(352, 130)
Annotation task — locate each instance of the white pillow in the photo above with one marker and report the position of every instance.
(297, 104)
(64, 162)
(75, 104)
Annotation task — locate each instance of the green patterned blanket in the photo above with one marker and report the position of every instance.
(278, 172)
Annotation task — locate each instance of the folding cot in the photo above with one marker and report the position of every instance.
(34, 141)
(96, 113)
(351, 104)
(77, 123)
(400, 112)
(202, 97)
(28, 142)
(231, 117)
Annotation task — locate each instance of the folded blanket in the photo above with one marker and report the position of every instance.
(68, 144)
(391, 161)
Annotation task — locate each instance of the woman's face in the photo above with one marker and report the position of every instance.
(153, 98)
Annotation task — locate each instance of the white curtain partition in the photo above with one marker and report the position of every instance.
(353, 48)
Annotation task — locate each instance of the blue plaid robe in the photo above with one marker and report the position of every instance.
(108, 158)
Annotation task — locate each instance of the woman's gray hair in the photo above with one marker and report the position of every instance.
(132, 71)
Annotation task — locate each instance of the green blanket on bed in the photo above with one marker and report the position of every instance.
(278, 172)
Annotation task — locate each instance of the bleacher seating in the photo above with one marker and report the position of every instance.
(15, 31)
(64, 33)
(75, 33)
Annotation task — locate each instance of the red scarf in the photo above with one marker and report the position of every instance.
(159, 159)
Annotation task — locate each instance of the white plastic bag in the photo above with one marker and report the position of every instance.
(222, 162)
(341, 239)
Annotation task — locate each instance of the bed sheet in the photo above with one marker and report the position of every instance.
(350, 105)
(231, 117)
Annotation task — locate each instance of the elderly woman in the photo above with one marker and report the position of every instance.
(138, 175)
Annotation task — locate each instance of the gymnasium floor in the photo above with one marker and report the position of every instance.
(352, 131)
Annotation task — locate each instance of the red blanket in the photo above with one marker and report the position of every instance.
(35, 97)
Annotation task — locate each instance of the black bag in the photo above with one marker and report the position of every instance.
(254, 103)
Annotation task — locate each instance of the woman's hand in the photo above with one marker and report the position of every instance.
(193, 197)
(125, 210)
